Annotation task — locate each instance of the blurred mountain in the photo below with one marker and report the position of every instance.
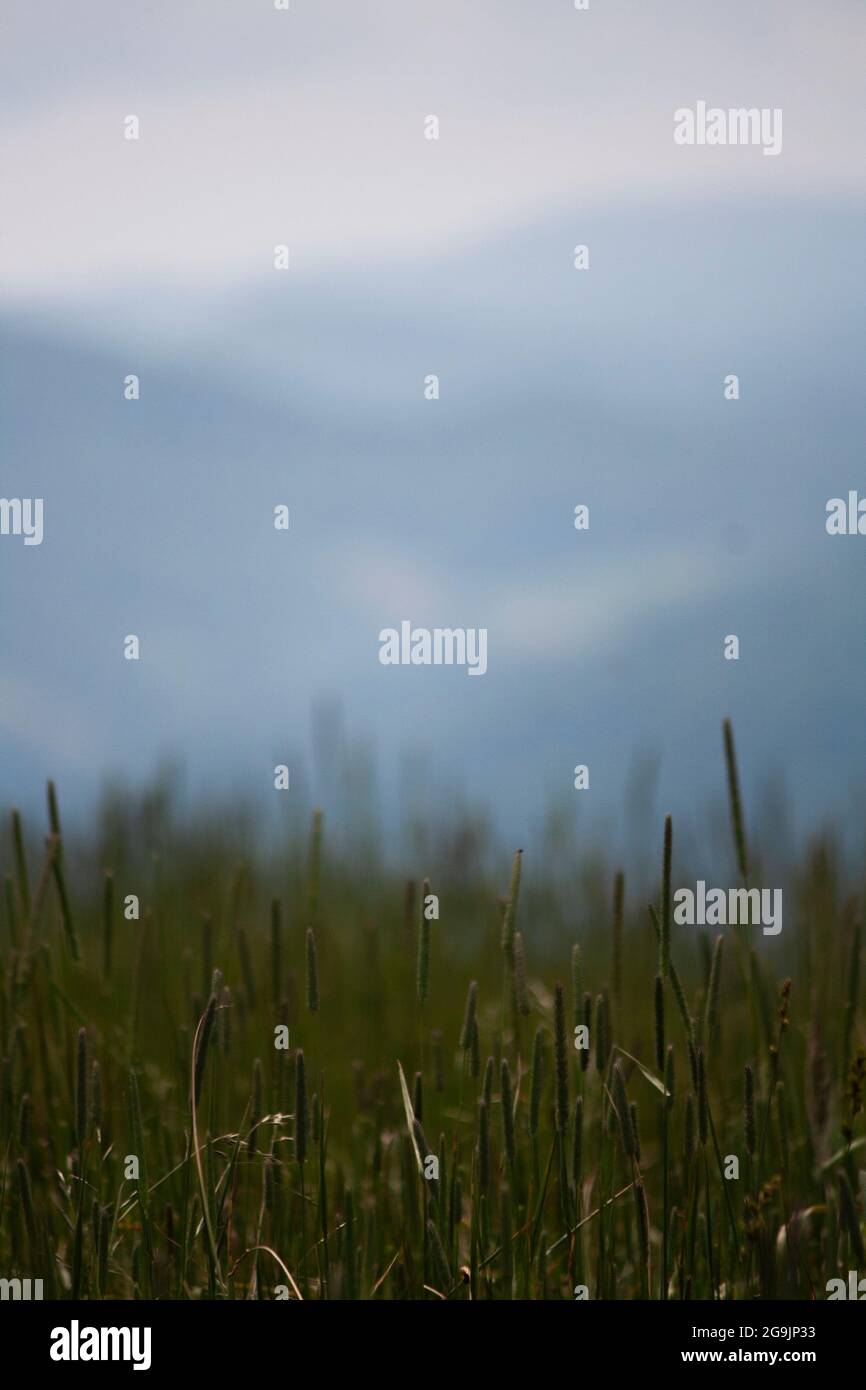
(557, 387)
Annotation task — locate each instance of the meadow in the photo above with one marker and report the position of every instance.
(291, 1078)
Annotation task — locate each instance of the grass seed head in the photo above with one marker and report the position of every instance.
(735, 803)
(469, 1015)
(509, 916)
(520, 987)
(312, 972)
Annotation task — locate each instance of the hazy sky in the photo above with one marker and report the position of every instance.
(260, 126)
(411, 256)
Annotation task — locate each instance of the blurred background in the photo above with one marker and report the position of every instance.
(558, 387)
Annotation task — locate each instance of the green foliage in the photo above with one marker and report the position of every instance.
(260, 1167)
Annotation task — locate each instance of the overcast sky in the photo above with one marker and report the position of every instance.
(261, 127)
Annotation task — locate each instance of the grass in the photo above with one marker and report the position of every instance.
(155, 1143)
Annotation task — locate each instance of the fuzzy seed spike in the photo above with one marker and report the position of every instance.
(312, 972)
(509, 917)
(737, 825)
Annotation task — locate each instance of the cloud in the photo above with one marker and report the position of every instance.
(574, 610)
(249, 139)
(47, 723)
